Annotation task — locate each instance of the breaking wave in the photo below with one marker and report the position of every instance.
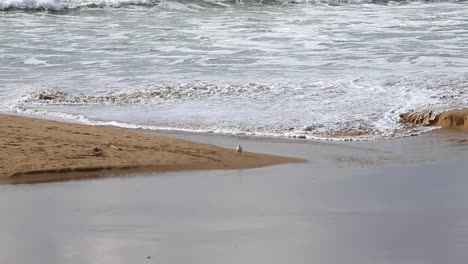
(358, 110)
(60, 5)
(169, 92)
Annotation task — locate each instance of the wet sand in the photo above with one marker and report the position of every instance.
(386, 201)
(35, 150)
(455, 119)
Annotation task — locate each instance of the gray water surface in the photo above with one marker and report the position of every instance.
(298, 213)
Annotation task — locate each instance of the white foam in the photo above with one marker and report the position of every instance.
(326, 1)
(359, 109)
(35, 61)
(291, 71)
(58, 5)
(75, 118)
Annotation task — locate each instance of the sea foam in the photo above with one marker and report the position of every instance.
(58, 5)
(360, 109)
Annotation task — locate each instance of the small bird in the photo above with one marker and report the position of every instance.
(239, 149)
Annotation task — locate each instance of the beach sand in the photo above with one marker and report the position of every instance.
(455, 119)
(36, 150)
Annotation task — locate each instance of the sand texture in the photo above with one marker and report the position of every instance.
(36, 150)
(457, 119)
(454, 119)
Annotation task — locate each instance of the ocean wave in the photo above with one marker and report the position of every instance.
(359, 109)
(383, 2)
(430, 90)
(351, 133)
(169, 92)
(62, 5)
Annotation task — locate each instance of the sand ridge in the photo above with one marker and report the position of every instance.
(36, 150)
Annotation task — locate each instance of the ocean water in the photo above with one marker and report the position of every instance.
(316, 69)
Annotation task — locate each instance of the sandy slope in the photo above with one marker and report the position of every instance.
(35, 150)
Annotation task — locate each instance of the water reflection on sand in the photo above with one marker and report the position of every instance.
(300, 213)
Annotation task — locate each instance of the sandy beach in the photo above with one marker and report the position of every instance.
(35, 150)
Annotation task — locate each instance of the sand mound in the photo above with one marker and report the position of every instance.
(452, 119)
(456, 119)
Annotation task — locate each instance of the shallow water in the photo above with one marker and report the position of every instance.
(319, 70)
(302, 213)
(265, 216)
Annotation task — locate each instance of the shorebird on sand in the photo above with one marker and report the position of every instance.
(239, 149)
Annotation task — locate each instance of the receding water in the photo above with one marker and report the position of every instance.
(336, 69)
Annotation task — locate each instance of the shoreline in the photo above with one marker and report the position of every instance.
(38, 150)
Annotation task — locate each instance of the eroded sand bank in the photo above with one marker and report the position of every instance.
(454, 119)
(457, 119)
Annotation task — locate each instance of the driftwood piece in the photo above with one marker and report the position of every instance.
(117, 148)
